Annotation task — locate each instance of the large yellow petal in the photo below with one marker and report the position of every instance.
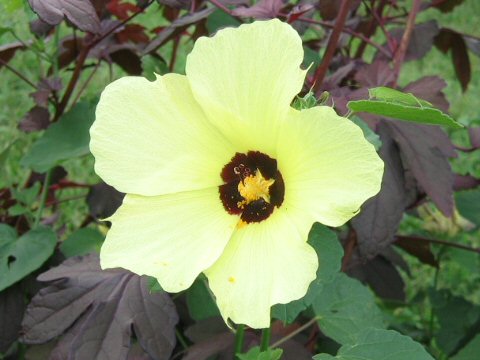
(263, 264)
(328, 166)
(245, 80)
(171, 237)
(152, 138)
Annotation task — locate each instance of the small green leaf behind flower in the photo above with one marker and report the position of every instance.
(395, 104)
(255, 354)
(82, 242)
(64, 140)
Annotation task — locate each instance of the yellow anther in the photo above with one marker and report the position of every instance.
(255, 187)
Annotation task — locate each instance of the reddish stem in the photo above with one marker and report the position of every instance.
(332, 44)
(81, 60)
(402, 49)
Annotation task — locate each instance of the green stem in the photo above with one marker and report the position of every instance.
(266, 333)
(239, 337)
(43, 198)
(181, 339)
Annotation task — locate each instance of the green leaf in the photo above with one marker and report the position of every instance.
(330, 253)
(63, 140)
(468, 204)
(219, 19)
(470, 351)
(154, 285)
(17, 210)
(7, 236)
(20, 256)
(402, 106)
(28, 195)
(389, 94)
(306, 102)
(455, 316)
(369, 134)
(379, 344)
(200, 301)
(152, 65)
(345, 308)
(82, 241)
(255, 354)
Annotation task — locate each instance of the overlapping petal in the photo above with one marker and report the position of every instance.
(171, 237)
(263, 264)
(245, 80)
(328, 166)
(152, 138)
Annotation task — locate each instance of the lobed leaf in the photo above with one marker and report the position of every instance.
(80, 12)
(99, 311)
(345, 308)
(379, 344)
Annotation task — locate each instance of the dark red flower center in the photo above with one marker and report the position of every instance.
(253, 186)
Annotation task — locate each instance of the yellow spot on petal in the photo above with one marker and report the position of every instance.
(241, 224)
(255, 187)
(231, 279)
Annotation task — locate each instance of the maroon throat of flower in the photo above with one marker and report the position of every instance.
(253, 186)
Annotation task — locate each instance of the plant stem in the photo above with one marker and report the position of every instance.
(265, 342)
(239, 338)
(332, 44)
(181, 339)
(43, 198)
(439, 242)
(402, 49)
(295, 332)
(16, 72)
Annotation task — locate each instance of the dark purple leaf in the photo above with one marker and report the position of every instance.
(329, 8)
(421, 39)
(380, 216)
(263, 9)
(206, 328)
(383, 278)
(38, 118)
(40, 28)
(127, 59)
(379, 73)
(210, 346)
(340, 96)
(474, 133)
(473, 44)
(12, 306)
(429, 88)
(425, 150)
(45, 88)
(177, 27)
(81, 13)
(178, 4)
(449, 39)
(99, 311)
(465, 182)
(8, 50)
(446, 5)
(103, 200)
(415, 247)
(69, 49)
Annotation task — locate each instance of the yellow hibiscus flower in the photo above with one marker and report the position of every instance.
(223, 177)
